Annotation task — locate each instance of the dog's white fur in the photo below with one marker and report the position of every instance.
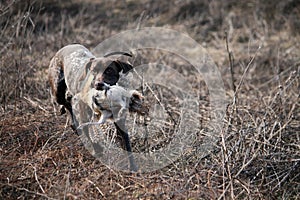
(113, 101)
(119, 99)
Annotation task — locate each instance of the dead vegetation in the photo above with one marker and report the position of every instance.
(258, 152)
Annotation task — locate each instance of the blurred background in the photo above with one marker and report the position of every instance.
(259, 157)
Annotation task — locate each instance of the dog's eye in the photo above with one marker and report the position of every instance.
(109, 71)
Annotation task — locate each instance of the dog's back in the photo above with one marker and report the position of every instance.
(64, 70)
(74, 58)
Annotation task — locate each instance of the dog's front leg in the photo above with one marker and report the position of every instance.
(106, 114)
(123, 133)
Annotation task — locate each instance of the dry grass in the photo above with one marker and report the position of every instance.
(258, 152)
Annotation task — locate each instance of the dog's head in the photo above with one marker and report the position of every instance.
(106, 70)
(114, 70)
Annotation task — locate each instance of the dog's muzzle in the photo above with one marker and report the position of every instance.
(101, 86)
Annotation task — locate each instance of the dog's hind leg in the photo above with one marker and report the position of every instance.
(59, 88)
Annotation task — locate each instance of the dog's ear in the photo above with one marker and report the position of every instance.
(87, 69)
(118, 53)
(123, 67)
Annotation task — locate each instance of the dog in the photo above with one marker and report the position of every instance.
(75, 71)
(68, 70)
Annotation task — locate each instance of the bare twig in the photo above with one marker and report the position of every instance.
(231, 62)
(37, 180)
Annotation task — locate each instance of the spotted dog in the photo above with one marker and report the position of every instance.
(75, 72)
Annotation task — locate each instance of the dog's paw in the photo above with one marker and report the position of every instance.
(62, 110)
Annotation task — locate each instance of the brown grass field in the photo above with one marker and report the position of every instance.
(257, 154)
